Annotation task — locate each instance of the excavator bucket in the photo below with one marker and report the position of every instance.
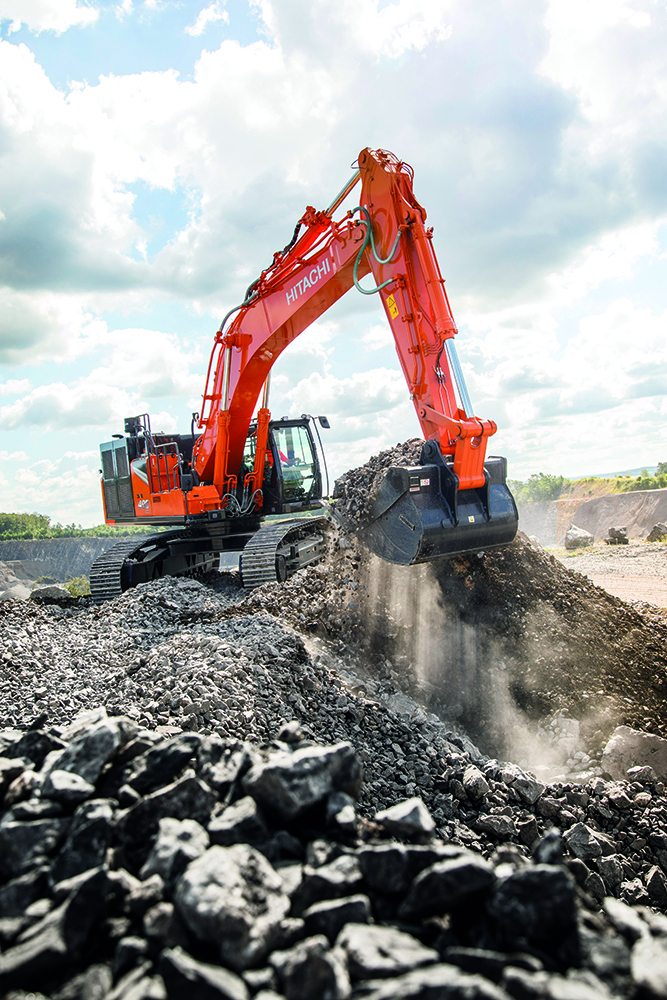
(419, 513)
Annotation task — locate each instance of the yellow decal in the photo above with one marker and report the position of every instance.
(471, 518)
(392, 307)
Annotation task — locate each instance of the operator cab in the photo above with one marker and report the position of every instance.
(292, 470)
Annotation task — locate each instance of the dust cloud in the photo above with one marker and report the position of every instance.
(459, 671)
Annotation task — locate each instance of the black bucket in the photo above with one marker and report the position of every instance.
(419, 513)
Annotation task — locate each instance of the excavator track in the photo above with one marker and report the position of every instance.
(105, 573)
(107, 579)
(264, 559)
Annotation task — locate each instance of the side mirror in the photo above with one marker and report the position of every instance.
(324, 422)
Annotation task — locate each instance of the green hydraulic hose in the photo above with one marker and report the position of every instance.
(381, 260)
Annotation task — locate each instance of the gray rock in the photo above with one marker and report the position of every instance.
(329, 916)
(163, 763)
(87, 841)
(52, 594)
(439, 982)
(185, 978)
(577, 538)
(445, 884)
(290, 783)
(656, 886)
(390, 868)
(179, 842)
(375, 952)
(645, 775)
(528, 788)
(144, 895)
(498, 826)
(475, 784)
(26, 845)
(536, 903)
(163, 926)
(341, 811)
(66, 787)
(130, 952)
(232, 897)
(657, 532)
(407, 819)
(241, 822)
(56, 940)
(582, 842)
(341, 877)
(312, 969)
(624, 918)
(17, 895)
(611, 870)
(187, 798)
(87, 754)
(220, 763)
(634, 748)
(648, 963)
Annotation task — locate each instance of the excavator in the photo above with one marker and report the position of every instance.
(227, 487)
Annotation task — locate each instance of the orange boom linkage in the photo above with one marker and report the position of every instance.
(221, 483)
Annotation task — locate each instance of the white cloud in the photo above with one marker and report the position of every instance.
(67, 489)
(46, 15)
(208, 15)
(15, 387)
(13, 456)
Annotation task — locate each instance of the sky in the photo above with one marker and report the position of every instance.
(154, 155)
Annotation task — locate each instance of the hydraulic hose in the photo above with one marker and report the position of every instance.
(381, 260)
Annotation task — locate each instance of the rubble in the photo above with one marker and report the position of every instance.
(307, 790)
(105, 908)
(630, 749)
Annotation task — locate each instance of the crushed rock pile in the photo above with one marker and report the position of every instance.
(354, 491)
(133, 866)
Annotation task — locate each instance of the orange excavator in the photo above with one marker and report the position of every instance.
(226, 486)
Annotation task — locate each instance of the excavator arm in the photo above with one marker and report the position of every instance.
(386, 237)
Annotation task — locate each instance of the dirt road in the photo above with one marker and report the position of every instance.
(633, 572)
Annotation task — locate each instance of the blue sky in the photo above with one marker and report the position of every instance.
(153, 155)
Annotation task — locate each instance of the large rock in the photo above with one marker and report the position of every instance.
(232, 897)
(312, 969)
(290, 783)
(446, 884)
(86, 755)
(577, 538)
(379, 952)
(187, 979)
(442, 982)
(657, 533)
(179, 842)
(634, 748)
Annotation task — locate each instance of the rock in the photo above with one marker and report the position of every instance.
(475, 784)
(185, 978)
(329, 916)
(611, 870)
(290, 783)
(657, 533)
(446, 884)
(617, 536)
(624, 918)
(439, 981)
(391, 868)
(86, 755)
(311, 969)
(130, 952)
(144, 895)
(645, 775)
(582, 842)
(379, 952)
(163, 763)
(66, 787)
(498, 826)
(577, 538)
(537, 904)
(163, 926)
(648, 963)
(656, 886)
(341, 811)
(341, 877)
(528, 788)
(187, 798)
(634, 748)
(18, 894)
(221, 763)
(57, 939)
(26, 845)
(87, 841)
(34, 745)
(490, 964)
(241, 822)
(179, 842)
(409, 818)
(52, 594)
(232, 897)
